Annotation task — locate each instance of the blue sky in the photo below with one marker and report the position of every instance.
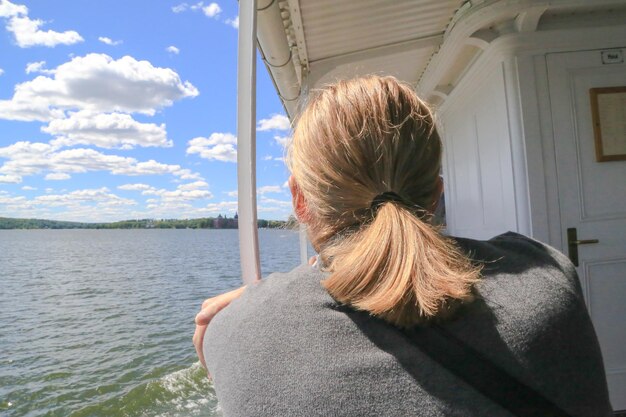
(114, 110)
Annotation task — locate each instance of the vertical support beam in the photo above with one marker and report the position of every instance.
(304, 255)
(528, 20)
(246, 143)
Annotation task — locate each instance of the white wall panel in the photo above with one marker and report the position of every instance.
(480, 193)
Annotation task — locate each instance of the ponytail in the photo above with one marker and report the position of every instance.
(399, 268)
(354, 140)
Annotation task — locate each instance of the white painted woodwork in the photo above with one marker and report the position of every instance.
(246, 144)
(592, 197)
(519, 119)
(478, 171)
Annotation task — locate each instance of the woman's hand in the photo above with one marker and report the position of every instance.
(210, 307)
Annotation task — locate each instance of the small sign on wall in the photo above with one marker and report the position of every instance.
(612, 56)
(608, 112)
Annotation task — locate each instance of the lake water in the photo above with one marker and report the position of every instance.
(99, 322)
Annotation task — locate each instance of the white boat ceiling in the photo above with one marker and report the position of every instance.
(428, 43)
(373, 36)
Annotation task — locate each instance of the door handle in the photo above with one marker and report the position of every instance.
(585, 241)
(573, 242)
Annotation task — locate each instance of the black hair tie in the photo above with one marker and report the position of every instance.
(383, 198)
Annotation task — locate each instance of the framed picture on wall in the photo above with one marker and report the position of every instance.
(608, 111)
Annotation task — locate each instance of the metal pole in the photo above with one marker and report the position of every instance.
(304, 256)
(246, 143)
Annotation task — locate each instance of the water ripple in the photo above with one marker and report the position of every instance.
(99, 322)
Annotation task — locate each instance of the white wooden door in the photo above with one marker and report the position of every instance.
(592, 199)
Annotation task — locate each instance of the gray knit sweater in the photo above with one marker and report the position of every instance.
(286, 348)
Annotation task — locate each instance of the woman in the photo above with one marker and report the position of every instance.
(394, 318)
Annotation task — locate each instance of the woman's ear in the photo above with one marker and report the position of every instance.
(299, 203)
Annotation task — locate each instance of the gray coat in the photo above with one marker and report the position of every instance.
(286, 348)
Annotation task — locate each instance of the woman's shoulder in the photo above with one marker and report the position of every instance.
(530, 318)
(280, 291)
(512, 255)
(281, 300)
(528, 289)
(503, 246)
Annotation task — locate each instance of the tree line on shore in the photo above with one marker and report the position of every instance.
(201, 223)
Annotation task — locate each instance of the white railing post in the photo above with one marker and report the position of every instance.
(304, 255)
(246, 143)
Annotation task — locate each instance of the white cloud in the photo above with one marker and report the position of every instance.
(183, 195)
(8, 9)
(99, 195)
(266, 189)
(27, 33)
(39, 67)
(197, 7)
(1, 71)
(134, 187)
(218, 147)
(180, 8)
(197, 190)
(100, 204)
(108, 41)
(73, 207)
(180, 209)
(6, 199)
(282, 140)
(57, 176)
(275, 122)
(212, 10)
(172, 50)
(151, 167)
(20, 150)
(10, 179)
(196, 185)
(28, 188)
(98, 83)
(28, 109)
(26, 158)
(230, 206)
(281, 207)
(186, 174)
(35, 66)
(106, 130)
(273, 158)
(269, 189)
(233, 22)
(275, 202)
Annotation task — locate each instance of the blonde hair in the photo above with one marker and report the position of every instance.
(355, 140)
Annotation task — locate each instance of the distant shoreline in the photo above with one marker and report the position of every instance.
(219, 222)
